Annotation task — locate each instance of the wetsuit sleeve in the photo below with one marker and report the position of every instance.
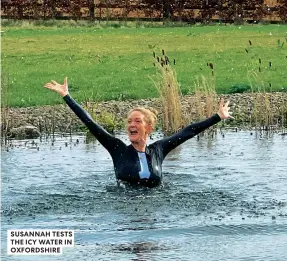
(105, 138)
(169, 143)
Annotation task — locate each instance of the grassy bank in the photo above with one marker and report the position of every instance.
(115, 63)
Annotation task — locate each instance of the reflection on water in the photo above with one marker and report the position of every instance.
(222, 198)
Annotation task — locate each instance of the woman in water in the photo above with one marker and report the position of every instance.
(138, 163)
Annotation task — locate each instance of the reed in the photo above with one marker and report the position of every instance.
(282, 111)
(169, 91)
(262, 113)
(102, 116)
(206, 97)
(5, 123)
(263, 108)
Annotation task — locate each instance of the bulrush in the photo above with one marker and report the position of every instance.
(166, 60)
(206, 99)
(5, 113)
(169, 92)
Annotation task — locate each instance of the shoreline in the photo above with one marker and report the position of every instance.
(247, 109)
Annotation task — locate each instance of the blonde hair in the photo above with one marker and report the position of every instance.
(149, 114)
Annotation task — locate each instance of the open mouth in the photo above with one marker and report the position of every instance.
(133, 132)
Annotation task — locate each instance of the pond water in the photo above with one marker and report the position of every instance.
(224, 198)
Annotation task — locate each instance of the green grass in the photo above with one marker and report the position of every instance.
(115, 63)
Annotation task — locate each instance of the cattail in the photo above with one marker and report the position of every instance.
(259, 60)
(166, 59)
(157, 59)
(246, 50)
(161, 64)
(162, 52)
(153, 64)
(207, 64)
(270, 64)
(153, 54)
(270, 85)
(250, 42)
(174, 61)
(259, 69)
(211, 66)
(212, 73)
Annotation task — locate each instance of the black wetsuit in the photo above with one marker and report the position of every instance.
(125, 157)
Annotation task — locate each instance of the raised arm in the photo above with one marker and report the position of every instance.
(106, 139)
(169, 143)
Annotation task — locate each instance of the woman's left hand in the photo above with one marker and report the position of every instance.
(224, 110)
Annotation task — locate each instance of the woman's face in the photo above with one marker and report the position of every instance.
(137, 128)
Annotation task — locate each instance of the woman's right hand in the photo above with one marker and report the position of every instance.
(61, 89)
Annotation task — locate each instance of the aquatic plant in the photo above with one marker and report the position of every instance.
(281, 111)
(5, 86)
(262, 108)
(206, 97)
(169, 92)
(205, 93)
(266, 114)
(102, 116)
(261, 112)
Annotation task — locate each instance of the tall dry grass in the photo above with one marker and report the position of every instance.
(170, 95)
(264, 110)
(262, 114)
(206, 96)
(5, 123)
(206, 101)
(102, 116)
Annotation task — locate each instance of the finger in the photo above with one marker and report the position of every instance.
(227, 103)
(66, 81)
(221, 102)
(231, 117)
(55, 82)
(49, 85)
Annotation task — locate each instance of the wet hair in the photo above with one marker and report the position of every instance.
(149, 115)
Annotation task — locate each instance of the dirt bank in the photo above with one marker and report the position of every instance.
(60, 118)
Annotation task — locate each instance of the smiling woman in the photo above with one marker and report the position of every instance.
(138, 163)
(140, 124)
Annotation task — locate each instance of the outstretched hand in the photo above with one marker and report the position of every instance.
(224, 110)
(61, 89)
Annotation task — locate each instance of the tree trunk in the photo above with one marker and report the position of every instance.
(167, 10)
(92, 10)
